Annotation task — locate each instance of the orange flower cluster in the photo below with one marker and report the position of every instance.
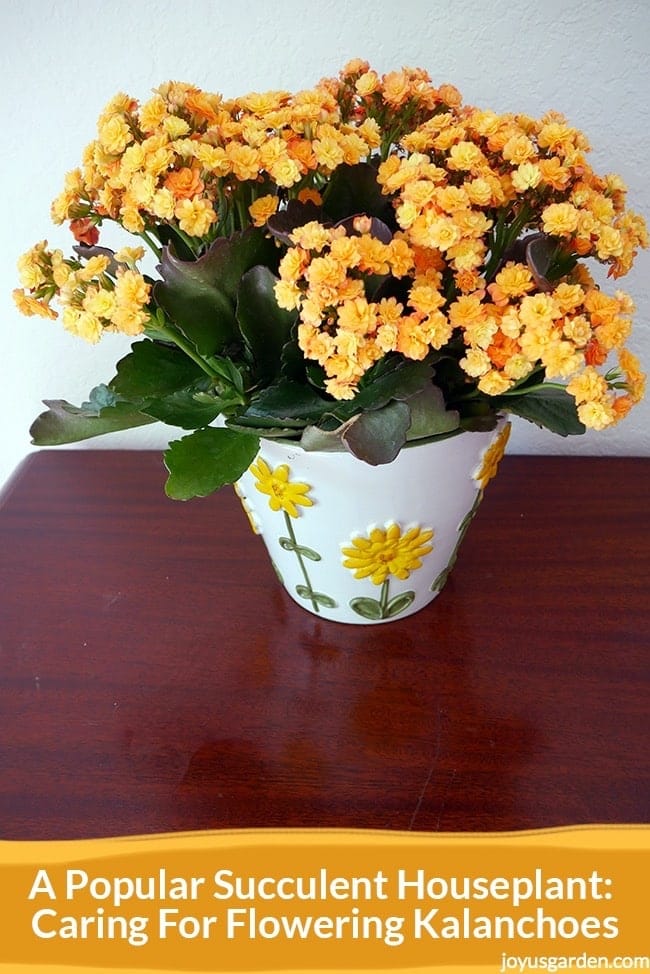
(98, 294)
(325, 273)
(468, 189)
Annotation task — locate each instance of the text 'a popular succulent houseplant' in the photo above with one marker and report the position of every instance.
(357, 266)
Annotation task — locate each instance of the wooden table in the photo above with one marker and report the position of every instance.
(154, 677)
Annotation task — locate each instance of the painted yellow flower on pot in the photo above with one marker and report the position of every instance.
(388, 552)
(492, 458)
(283, 495)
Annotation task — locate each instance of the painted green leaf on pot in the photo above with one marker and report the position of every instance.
(288, 545)
(367, 608)
(207, 459)
(325, 601)
(441, 580)
(399, 603)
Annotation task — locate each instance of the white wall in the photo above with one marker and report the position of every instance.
(62, 61)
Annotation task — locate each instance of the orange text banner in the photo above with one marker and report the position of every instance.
(318, 901)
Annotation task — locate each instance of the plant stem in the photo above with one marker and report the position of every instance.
(535, 388)
(150, 243)
(185, 346)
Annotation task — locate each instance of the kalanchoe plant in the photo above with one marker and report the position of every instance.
(358, 266)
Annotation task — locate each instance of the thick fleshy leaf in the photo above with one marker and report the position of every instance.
(553, 409)
(377, 436)
(295, 214)
(204, 461)
(429, 414)
(395, 380)
(324, 441)
(265, 326)
(183, 409)
(287, 403)
(354, 189)
(153, 370)
(64, 423)
(200, 295)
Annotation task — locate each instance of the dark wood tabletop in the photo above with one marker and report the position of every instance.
(154, 677)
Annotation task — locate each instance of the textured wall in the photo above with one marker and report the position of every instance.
(63, 61)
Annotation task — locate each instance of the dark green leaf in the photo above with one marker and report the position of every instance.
(153, 370)
(553, 409)
(265, 326)
(397, 379)
(295, 214)
(377, 437)
(204, 461)
(293, 361)
(200, 295)
(64, 423)
(367, 608)
(184, 409)
(354, 189)
(429, 414)
(258, 429)
(324, 441)
(399, 603)
(288, 402)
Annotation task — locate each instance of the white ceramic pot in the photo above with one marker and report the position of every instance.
(361, 544)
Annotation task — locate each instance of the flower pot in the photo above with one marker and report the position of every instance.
(361, 544)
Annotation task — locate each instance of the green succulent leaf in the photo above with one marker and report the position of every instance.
(286, 403)
(186, 409)
(395, 379)
(98, 398)
(207, 459)
(65, 423)
(152, 369)
(354, 189)
(200, 295)
(265, 326)
(325, 441)
(549, 407)
(429, 414)
(379, 435)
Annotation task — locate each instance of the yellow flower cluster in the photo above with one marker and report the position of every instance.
(182, 157)
(324, 275)
(468, 188)
(464, 162)
(94, 298)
